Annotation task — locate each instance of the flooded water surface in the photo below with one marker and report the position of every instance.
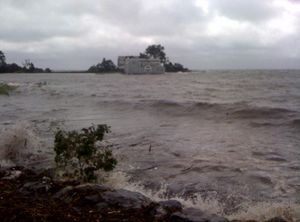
(225, 137)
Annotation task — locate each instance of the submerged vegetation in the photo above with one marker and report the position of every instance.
(6, 88)
(81, 154)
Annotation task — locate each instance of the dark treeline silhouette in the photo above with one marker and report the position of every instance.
(28, 66)
(176, 67)
(106, 66)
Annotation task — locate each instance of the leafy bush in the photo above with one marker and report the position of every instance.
(5, 88)
(81, 154)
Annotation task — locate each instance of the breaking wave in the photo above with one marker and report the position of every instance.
(247, 210)
(239, 110)
(261, 112)
(20, 145)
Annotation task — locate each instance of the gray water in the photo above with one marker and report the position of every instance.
(230, 136)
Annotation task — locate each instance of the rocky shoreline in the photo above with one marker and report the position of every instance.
(28, 195)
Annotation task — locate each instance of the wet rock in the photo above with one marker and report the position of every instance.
(171, 206)
(126, 199)
(93, 198)
(165, 208)
(30, 187)
(243, 221)
(160, 214)
(10, 174)
(92, 188)
(81, 195)
(276, 219)
(40, 186)
(101, 206)
(68, 201)
(93, 194)
(2, 173)
(195, 215)
(61, 194)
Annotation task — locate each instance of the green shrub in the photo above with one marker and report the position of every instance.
(5, 88)
(80, 153)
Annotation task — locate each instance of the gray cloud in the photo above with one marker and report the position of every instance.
(199, 33)
(252, 11)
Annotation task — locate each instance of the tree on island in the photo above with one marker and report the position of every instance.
(106, 66)
(157, 52)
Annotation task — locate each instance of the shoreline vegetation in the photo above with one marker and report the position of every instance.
(29, 194)
(105, 66)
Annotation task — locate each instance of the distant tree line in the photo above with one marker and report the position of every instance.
(106, 66)
(28, 66)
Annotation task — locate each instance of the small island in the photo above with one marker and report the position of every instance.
(152, 61)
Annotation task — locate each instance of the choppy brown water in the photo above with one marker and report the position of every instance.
(228, 136)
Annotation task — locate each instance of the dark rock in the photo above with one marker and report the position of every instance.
(92, 194)
(81, 195)
(195, 215)
(3, 172)
(160, 214)
(243, 221)
(93, 198)
(276, 219)
(63, 192)
(101, 206)
(126, 199)
(35, 196)
(92, 187)
(166, 208)
(10, 174)
(171, 206)
(36, 187)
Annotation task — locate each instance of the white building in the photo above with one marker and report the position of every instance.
(136, 65)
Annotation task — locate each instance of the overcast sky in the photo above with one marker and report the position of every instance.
(201, 34)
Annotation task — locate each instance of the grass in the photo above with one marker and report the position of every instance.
(6, 88)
